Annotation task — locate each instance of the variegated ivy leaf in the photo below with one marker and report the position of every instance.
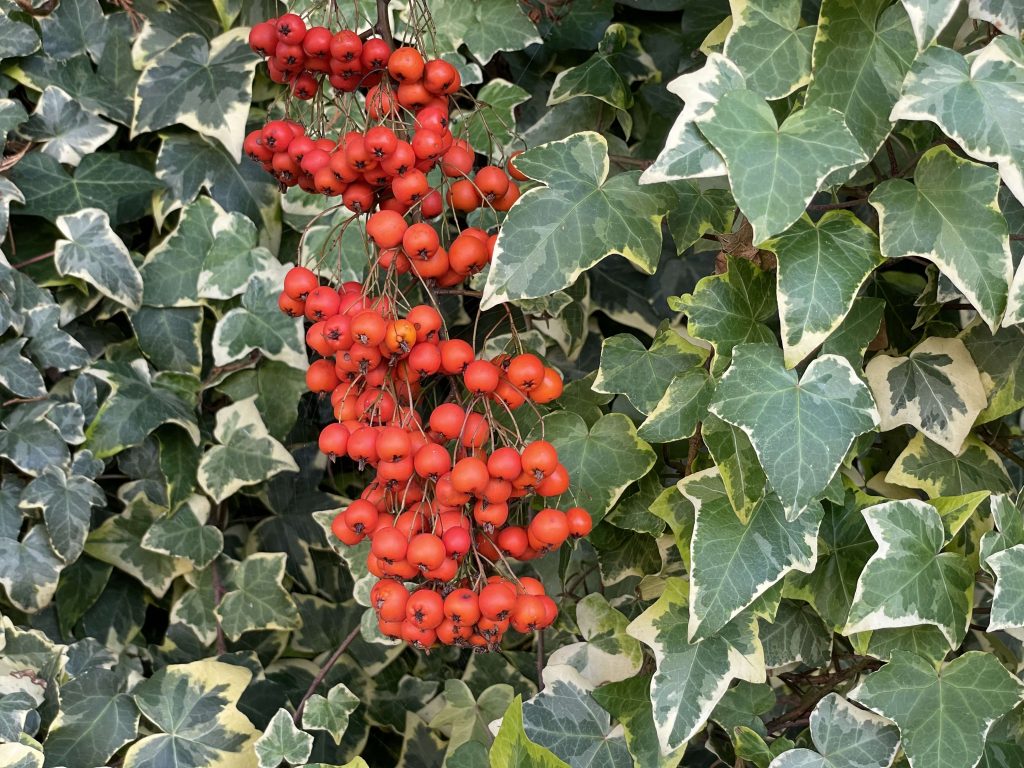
(602, 459)
(643, 375)
(31, 569)
(197, 721)
(66, 502)
(736, 459)
(767, 545)
(17, 373)
(822, 266)
(697, 212)
(484, 27)
(775, 170)
(1009, 528)
(692, 678)
(572, 220)
(32, 441)
(910, 581)
(256, 599)
(1006, 15)
(492, 124)
(607, 653)
(607, 74)
(677, 413)
(184, 534)
(934, 470)
(950, 215)
(204, 85)
(945, 711)
(233, 258)
(977, 100)
(245, 454)
(629, 702)
(845, 737)
(331, 713)
(512, 748)
(929, 18)
(800, 426)
(17, 36)
(66, 130)
(94, 252)
(171, 337)
(687, 154)
(770, 47)
(282, 742)
(1000, 361)
(798, 634)
(1008, 598)
(72, 29)
(936, 389)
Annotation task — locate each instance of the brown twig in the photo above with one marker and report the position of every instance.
(837, 206)
(383, 25)
(693, 451)
(457, 292)
(34, 260)
(331, 661)
(218, 594)
(249, 360)
(630, 162)
(540, 660)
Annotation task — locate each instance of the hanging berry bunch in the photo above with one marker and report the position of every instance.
(455, 494)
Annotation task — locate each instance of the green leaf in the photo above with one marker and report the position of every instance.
(929, 18)
(511, 747)
(910, 580)
(798, 634)
(494, 115)
(950, 216)
(137, 404)
(607, 653)
(692, 678)
(17, 373)
(204, 85)
(483, 26)
(93, 252)
(233, 259)
(465, 720)
(770, 47)
(331, 713)
(601, 460)
(845, 737)
(643, 375)
(95, 720)
(859, 328)
(282, 742)
(185, 534)
(943, 713)
(862, 51)
(684, 404)
(977, 100)
(1005, 14)
(66, 502)
(800, 427)
(64, 129)
(698, 211)
(936, 389)
(732, 563)
(604, 76)
(937, 472)
(172, 269)
(246, 453)
(564, 718)
(1000, 361)
(571, 221)
(194, 709)
(171, 337)
(30, 572)
(17, 37)
(730, 308)
(256, 599)
(101, 181)
(629, 702)
(775, 170)
(259, 324)
(73, 28)
(822, 266)
(277, 388)
(1008, 598)
(32, 442)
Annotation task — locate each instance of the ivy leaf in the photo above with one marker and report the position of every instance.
(698, 211)
(910, 580)
(185, 534)
(282, 742)
(465, 719)
(331, 713)
(259, 324)
(277, 387)
(72, 29)
(233, 259)
(255, 597)
(137, 404)
(93, 252)
(171, 337)
(770, 47)
(1000, 361)
(937, 472)
(96, 719)
(494, 116)
(936, 389)
(629, 702)
(929, 18)
(767, 545)
(943, 713)
(950, 215)
(246, 453)
(737, 462)
(730, 308)
(17, 373)
(1004, 14)
(607, 653)
(30, 572)
(683, 405)
(512, 748)
(976, 100)
(687, 154)
(483, 26)
(65, 129)
(800, 427)
(862, 51)
(564, 718)
(601, 460)
(692, 678)
(643, 375)
(1008, 598)
(204, 85)
(845, 737)
(101, 181)
(822, 266)
(604, 76)
(31, 441)
(66, 502)
(17, 38)
(775, 170)
(194, 709)
(797, 634)
(572, 220)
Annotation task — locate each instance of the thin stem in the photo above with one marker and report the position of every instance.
(540, 660)
(218, 593)
(837, 206)
(384, 22)
(34, 259)
(331, 661)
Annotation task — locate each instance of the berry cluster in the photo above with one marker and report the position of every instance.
(455, 495)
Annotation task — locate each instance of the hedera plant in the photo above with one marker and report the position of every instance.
(769, 251)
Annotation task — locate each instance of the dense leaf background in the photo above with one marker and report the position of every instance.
(774, 247)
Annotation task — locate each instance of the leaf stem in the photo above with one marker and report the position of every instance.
(331, 661)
